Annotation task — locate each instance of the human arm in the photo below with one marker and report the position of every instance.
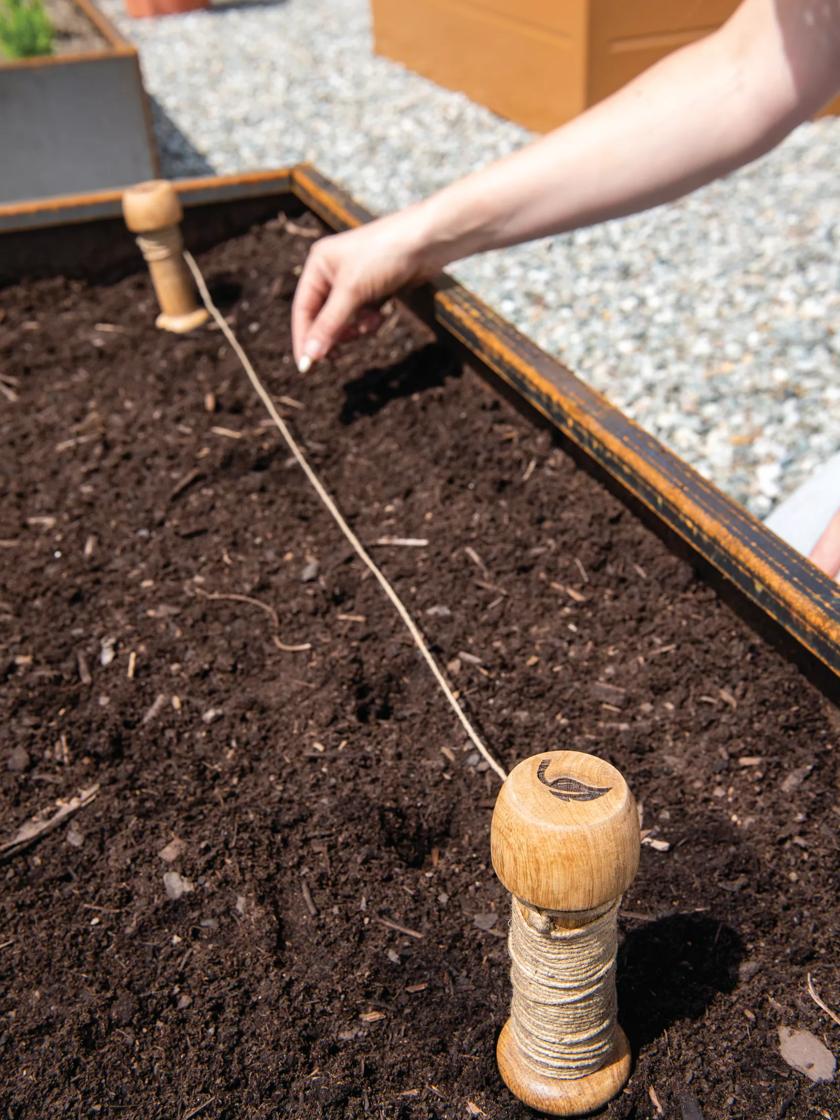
(696, 115)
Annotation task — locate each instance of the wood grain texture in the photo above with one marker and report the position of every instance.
(563, 1098)
(784, 585)
(525, 61)
(538, 62)
(151, 206)
(565, 833)
(153, 211)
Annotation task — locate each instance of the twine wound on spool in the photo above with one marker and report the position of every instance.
(565, 843)
(160, 244)
(563, 1008)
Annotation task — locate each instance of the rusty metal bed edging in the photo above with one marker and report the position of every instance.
(117, 47)
(41, 213)
(768, 573)
(776, 578)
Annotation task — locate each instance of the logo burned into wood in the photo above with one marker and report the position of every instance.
(570, 789)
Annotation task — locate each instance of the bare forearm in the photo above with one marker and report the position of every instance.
(698, 114)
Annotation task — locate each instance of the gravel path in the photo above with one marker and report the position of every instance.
(715, 322)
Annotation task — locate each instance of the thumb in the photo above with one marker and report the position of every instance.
(328, 325)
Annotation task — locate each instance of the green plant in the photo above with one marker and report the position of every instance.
(25, 29)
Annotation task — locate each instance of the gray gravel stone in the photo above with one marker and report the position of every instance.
(714, 322)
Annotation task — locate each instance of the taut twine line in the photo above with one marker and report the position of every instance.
(333, 509)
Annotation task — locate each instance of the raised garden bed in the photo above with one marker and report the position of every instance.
(543, 62)
(78, 119)
(323, 799)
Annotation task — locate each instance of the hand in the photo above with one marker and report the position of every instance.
(826, 552)
(348, 275)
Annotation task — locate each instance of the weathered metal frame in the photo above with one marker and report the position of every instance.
(776, 584)
(114, 69)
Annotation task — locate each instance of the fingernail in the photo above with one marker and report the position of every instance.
(312, 351)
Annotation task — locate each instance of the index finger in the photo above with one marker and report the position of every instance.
(310, 296)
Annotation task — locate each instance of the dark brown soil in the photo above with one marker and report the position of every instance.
(320, 794)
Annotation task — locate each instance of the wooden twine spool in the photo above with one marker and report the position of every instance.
(153, 212)
(565, 843)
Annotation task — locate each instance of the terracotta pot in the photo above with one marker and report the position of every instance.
(142, 9)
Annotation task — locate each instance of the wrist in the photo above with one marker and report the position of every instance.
(440, 234)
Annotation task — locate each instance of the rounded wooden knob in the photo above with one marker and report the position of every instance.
(565, 832)
(151, 206)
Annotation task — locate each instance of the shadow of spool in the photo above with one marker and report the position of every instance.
(671, 969)
(225, 291)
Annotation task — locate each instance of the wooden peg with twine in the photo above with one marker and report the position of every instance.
(152, 211)
(565, 843)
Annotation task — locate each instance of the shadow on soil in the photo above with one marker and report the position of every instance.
(225, 290)
(672, 969)
(427, 368)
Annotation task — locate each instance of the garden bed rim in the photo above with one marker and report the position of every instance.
(83, 57)
(75, 209)
(782, 583)
(799, 603)
(117, 46)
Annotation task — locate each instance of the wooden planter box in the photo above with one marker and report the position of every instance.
(539, 62)
(777, 590)
(71, 123)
